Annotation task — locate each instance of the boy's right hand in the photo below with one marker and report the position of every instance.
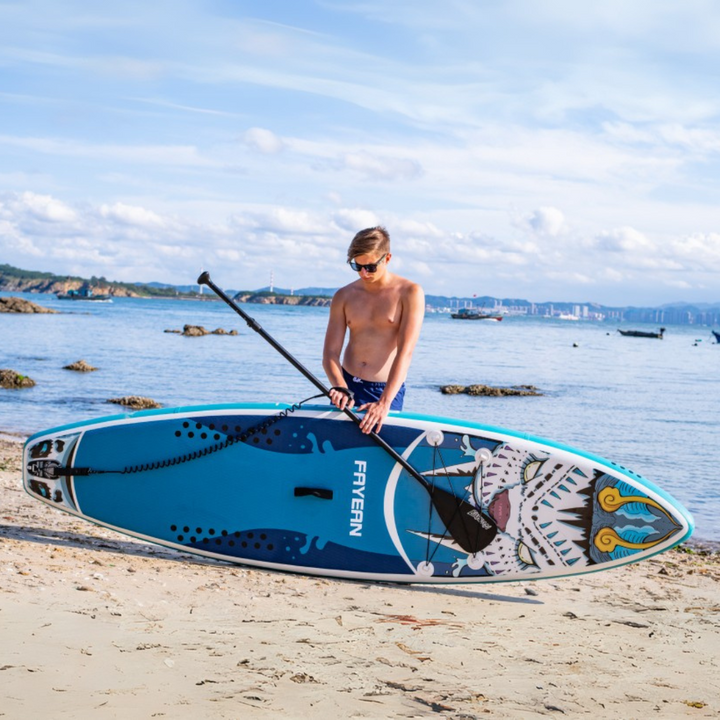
(341, 398)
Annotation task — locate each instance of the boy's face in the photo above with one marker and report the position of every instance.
(370, 266)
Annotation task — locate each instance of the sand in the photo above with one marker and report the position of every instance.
(96, 625)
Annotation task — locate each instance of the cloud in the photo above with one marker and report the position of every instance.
(354, 220)
(152, 155)
(678, 284)
(284, 221)
(38, 207)
(612, 275)
(132, 242)
(264, 141)
(132, 215)
(416, 228)
(699, 251)
(699, 140)
(548, 221)
(623, 240)
(375, 167)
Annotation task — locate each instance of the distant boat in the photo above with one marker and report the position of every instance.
(717, 335)
(83, 293)
(641, 333)
(474, 314)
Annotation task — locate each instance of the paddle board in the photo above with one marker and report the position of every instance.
(306, 491)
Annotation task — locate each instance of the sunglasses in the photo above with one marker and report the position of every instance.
(369, 267)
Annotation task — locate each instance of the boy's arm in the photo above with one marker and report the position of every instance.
(334, 340)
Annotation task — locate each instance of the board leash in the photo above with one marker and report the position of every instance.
(229, 441)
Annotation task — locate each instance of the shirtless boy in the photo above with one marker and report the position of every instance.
(384, 314)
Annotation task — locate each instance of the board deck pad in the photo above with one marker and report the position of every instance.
(306, 491)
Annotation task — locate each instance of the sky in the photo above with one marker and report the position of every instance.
(552, 151)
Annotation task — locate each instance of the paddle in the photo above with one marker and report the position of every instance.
(471, 529)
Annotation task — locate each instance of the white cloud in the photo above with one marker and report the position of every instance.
(698, 251)
(374, 167)
(678, 284)
(263, 140)
(126, 241)
(145, 155)
(282, 220)
(43, 207)
(700, 140)
(612, 275)
(548, 221)
(416, 228)
(132, 215)
(354, 220)
(626, 240)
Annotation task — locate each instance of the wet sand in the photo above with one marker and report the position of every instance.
(95, 624)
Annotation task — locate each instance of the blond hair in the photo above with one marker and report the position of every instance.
(370, 241)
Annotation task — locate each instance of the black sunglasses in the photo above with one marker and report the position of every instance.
(370, 267)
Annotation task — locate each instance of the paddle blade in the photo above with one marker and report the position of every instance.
(471, 529)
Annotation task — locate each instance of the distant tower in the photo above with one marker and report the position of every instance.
(200, 287)
(272, 280)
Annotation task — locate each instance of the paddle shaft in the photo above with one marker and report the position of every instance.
(460, 517)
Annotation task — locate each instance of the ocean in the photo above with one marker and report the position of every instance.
(650, 405)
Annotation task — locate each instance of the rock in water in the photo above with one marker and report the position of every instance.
(136, 402)
(489, 391)
(452, 389)
(20, 305)
(200, 331)
(80, 366)
(194, 331)
(12, 380)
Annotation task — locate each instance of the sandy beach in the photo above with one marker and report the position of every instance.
(95, 624)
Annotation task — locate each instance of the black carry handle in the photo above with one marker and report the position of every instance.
(322, 493)
(471, 529)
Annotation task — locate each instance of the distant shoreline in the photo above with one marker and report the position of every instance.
(702, 314)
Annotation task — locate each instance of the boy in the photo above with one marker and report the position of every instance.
(384, 314)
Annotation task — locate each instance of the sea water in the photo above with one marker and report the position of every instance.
(650, 405)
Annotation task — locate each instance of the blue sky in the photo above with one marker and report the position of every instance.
(552, 151)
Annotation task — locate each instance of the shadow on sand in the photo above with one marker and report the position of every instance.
(138, 548)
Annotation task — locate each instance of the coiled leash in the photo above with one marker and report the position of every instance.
(229, 441)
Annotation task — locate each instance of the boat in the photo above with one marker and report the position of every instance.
(717, 335)
(474, 314)
(643, 334)
(83, 293)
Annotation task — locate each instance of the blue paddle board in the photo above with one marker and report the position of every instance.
(305, 491)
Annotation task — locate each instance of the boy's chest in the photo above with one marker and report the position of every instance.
(378, 313)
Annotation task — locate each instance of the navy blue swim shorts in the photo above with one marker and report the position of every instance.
(367, 392)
